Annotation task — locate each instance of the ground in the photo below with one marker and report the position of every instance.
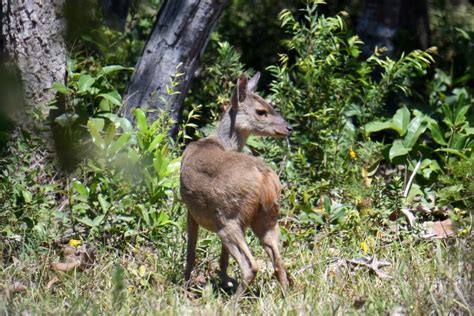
(424, 277)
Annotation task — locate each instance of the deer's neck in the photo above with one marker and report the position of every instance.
(227, 135)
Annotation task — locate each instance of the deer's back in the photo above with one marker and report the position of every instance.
(219, 185)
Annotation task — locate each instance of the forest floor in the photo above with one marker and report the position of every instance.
(423, 277)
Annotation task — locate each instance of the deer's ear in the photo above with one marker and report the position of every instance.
(252, 85)
(242, 83)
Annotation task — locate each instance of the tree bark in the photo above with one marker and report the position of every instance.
(382, 20)
(32, 33)
(179, 35)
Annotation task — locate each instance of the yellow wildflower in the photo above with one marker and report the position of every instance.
(352, 153)
(74, 242)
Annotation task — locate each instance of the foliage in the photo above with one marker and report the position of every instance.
(457, 184)
(327, 89)
(436, 140)
(130, 187)
(88, 93)
(30, 188)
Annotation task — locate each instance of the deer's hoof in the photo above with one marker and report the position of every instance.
(229, 285)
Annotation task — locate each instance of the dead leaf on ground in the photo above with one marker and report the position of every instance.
(439, 229)
(52, 282)
(66, 266)
(373, 264)
(79, 257)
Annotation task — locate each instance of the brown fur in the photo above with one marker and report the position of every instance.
(227, 191)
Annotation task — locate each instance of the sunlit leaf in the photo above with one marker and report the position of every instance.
(84, 83)
(416, 127)
(398, 149)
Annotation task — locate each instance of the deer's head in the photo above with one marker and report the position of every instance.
(253, 115)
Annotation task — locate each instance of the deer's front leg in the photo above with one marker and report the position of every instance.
(191, 249)
(227, 281)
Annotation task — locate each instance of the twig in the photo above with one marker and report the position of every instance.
(412, 177)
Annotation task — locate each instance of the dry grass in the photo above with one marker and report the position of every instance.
(428, 276)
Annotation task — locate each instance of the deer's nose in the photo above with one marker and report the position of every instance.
(289, 128)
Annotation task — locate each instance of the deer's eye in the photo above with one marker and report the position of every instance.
(262, 112)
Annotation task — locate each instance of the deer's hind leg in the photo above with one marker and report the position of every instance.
(233, 240)
(268, 232)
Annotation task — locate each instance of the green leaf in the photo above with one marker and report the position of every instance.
(84, 83)
(86, 221)
(142, 123)
(81, 189)
(98, 122)
(144, 213)
(119, 143)
(437, 133)
(458, 141)
(452, 151)
(104, 205)
(156, 141)
(157, 162)
(112, 96)
(163, 220)
(120, 122)
(61, 88)
(397, 149)
(97, 220)
(447, 115)
(401, 120)
(327, 204)
(113, 68)
(461, 115)
(81, 207)
(104, 105)
(27, 196)
(416, 127)
(379, 126)
(94, 130)
(428, 166)
(109, 134)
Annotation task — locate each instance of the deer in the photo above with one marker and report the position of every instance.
(227, 191)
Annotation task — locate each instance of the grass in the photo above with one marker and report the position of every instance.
(428, 277)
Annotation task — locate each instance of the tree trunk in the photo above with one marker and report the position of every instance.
(32, 33)
(382, 21)
(179, 36)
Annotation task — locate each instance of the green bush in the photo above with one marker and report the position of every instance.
(327, 92)
(129, 186)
